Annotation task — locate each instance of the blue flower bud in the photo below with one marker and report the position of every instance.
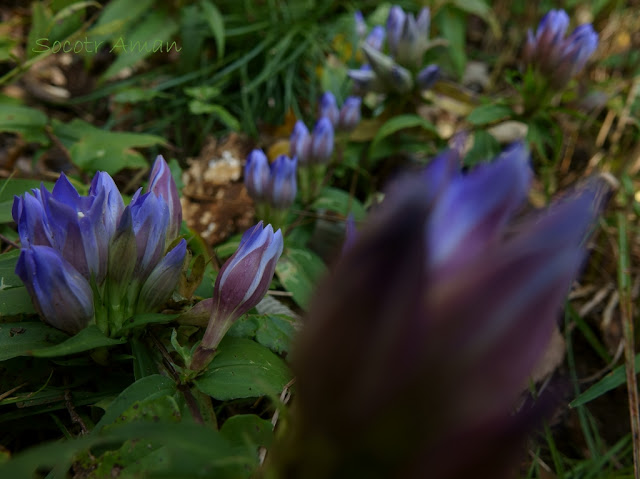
(395, 24)
(33, 225)
(256, 176)
(60, 294)
(300, 143)
(283, 186)
(327, 107)
(322, 141)
(162, 184)
(150, 216)
(350, 113)
(361, 26)
(158, 287)
(428, 76)
(376, 37)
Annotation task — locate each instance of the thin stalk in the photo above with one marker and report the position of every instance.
(626, 312)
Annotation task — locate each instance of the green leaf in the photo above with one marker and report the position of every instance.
(275, 331)
(20, 339)
(15, 187)
(242, 369)
(149, 387)
(216, 24)
(452, 24)
(151, 35)
(398, 123)
(339, 201)
(89, 338)
(480, 9)
(489, 113)
(248, 432)
(144, 363)
(298, 270)
(25, 121)
(94, 149)
(15, 301)
(485, 147)
(615, 378)
(198, 107)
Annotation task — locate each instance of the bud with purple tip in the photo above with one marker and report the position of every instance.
(241, 283)
(376, 37)
(256, 175)
(300, 142)
(162, 184)
(282, 184)
(428, 76)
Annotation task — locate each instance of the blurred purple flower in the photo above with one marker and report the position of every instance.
(554, 56)
(327, 107)
(321, 147)
(411, 359)
(256, 175)
(350, 113)
(361, 26)
(300, 143)
(376, 37)
(283, 184)
(241, 283)
(428, 76)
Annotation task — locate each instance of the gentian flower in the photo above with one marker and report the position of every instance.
(162, 184)
(327, 107)
(241, 283)
(376, 37)
(361, 26)
(300, 142)
(282, 184)
(350, 113)
(60, 294)
(417, 375)
(321, 147)
(400, 70)
(256, 175)
(555, 57)
(100, 252)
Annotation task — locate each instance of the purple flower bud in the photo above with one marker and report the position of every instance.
(241, 283)
(33, 225)
(361, 26)
(393, 76)
(300, 143)
(428, 76)
(423, 22)
(350, 113)
(150, 216)
(364, 79)
(283, 186)
(327, 107)
(554, 56)
(158, 287)
(163, 185)
(60, 294)
(376, 37)
(257, 175)
(322, 141)
(395, 24)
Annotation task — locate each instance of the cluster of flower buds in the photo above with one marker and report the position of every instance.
(314, 148)
(273, 184)
(417, 375)
(400, 70)
(342, 119)
(87, 258)
(241, 283)
(272, 187)
(554, 56)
